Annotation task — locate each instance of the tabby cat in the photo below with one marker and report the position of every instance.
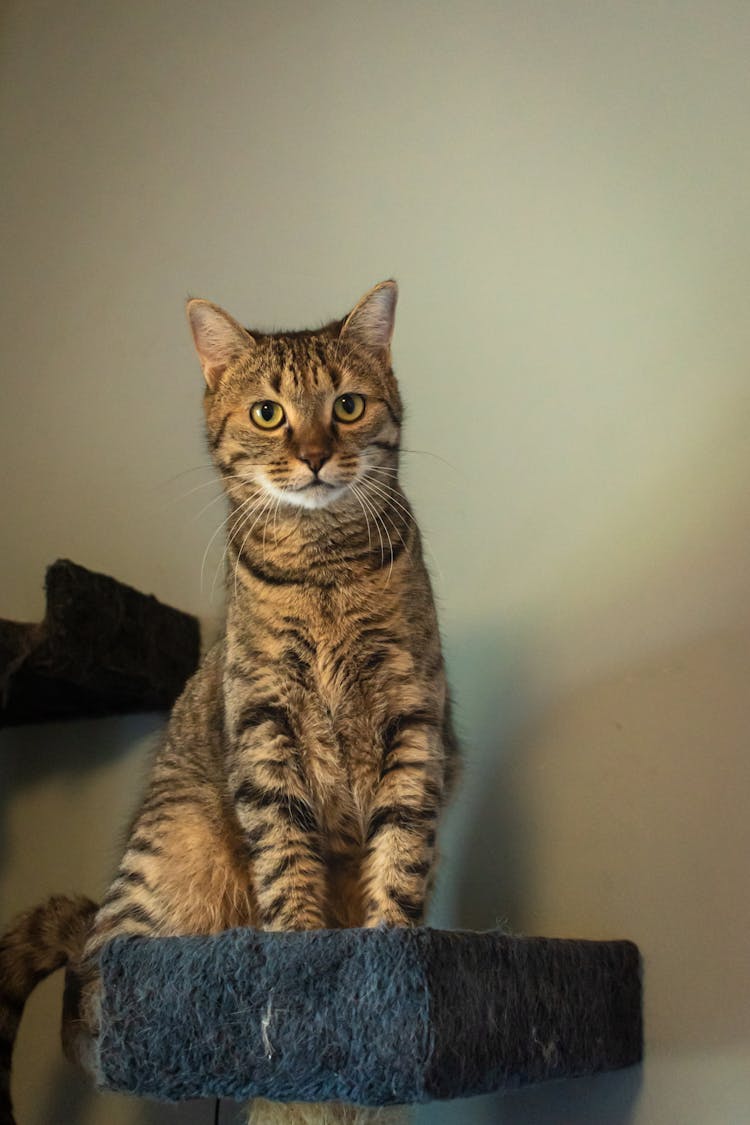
(305, 764)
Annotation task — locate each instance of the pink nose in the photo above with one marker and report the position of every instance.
(315, 459)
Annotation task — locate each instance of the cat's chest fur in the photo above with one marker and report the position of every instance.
(337, 661)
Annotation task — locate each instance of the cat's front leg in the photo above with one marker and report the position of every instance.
(81, 1014)
(279, 823)
(400, 846)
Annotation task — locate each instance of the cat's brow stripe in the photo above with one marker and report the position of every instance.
(215, 439)
(335, 377)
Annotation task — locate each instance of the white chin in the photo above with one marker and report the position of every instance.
(314, 496)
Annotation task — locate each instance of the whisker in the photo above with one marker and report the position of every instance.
(244, 513)
(392, 478)
(265, 525)
(390, 544)
(222, 496)
(295, 525)
(428, 453)
(380, 522)
(220, 478)
(399, 528)
(244, 516)
(390, 482)
(276, 512)
(193, 469)
(197, 488)
(231, 515)
(364, 510)
(391, 516)
(216, 482)
(389, 495)
(388, 476)
(398, 531)
(267, 504)
(434, 561)
(374, 515)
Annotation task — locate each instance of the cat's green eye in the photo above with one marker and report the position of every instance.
(267, 415)
(348, 408)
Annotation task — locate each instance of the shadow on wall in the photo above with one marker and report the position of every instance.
(64, 756)
(489, 846)
(617, 810)
(488, 878)
(483, 877)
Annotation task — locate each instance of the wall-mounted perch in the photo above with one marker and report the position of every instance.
(374, 1017)
(102, 648)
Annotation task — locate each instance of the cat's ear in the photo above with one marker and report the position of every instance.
(370, 323)
(219, 339)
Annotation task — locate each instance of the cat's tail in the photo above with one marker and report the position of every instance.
(35, 944)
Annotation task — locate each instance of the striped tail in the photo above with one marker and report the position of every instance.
(36, 943)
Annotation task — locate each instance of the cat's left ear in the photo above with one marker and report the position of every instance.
(370, 323)
(219, 339)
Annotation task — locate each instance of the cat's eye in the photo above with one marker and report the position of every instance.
(267, 415)
(348, 408)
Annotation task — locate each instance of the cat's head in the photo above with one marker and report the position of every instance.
(302, 416)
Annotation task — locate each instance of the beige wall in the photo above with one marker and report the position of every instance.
(561, 190)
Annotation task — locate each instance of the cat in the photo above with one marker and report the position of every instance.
(305, 765)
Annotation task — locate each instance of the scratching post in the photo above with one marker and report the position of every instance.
(374, 1017)
(103, 648)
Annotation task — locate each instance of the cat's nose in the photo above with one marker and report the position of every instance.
(315, 459)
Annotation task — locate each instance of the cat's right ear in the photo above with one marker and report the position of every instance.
(219, 339)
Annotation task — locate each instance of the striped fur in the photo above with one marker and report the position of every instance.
(303, 771)
(38, 942)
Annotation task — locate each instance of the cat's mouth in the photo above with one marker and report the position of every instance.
(315, 493)
(315, 483)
